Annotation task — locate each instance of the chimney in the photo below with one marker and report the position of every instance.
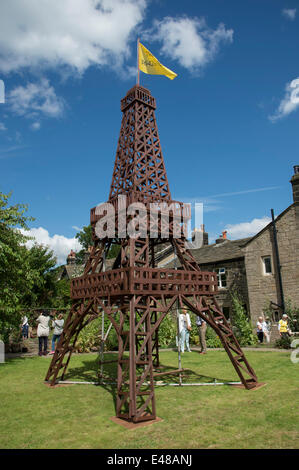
(295, 183)
(71, 259)
(222, 238)
(201, 235)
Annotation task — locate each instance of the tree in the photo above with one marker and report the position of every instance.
(85, 239)
(27, 277)
(15, 276)
(113, 251)
(41, 262)
(62, 297)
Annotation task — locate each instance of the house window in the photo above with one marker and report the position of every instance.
(221, 277)
(267, 265)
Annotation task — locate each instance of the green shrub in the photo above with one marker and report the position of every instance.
(89, 337)
(241, 324)
(212, 339)
(168, 330)
(293, 313)
(284, 342)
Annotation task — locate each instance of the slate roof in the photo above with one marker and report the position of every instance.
(208, 254)
(69, 271)
(224, 251)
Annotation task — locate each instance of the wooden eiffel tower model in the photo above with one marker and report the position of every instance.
(135, 294)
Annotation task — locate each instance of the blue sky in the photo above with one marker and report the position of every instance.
(228, 123)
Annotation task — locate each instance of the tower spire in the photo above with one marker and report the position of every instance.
(139, 165)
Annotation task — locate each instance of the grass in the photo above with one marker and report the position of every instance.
(77, 416)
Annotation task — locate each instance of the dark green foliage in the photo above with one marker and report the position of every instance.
(212, 339)
(284, 342)
(41, 262)
(16, 278)
(27, 278)
(168, 330)
(113, 251)
(241, 324)
(293, 313)
(85, 237)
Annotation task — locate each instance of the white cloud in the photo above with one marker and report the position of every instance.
(58, 243)
(189, 40)
(36, 99)
(12, 151)
(66, 33)
(289, 13)
(35, 126)
(289, 103)
(246, 229)
(2, 127)
(78, 229)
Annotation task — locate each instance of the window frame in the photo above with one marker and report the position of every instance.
(265, 273)
(219, 279)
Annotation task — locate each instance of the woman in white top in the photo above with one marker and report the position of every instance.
(43, 331)
(184, 330)
(58, 329)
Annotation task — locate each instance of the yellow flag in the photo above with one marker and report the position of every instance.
(149, 64)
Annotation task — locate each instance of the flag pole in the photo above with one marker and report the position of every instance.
(138, 61)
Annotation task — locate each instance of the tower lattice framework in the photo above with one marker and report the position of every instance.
(135, 294)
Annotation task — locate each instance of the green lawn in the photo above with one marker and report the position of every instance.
(36, 416)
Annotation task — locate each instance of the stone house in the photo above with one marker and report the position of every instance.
(272, 267)
(250, 266)
(262, 272)
(226, 258)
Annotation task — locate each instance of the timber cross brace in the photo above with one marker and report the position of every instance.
(135, 294)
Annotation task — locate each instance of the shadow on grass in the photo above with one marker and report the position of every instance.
(13, 359)
(90, 371)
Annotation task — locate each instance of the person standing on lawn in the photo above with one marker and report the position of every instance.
(25, 327)
(185, 328)
(267, 329)
(202, 328)
(43, 331)
(283, 327)
(58, 329)
(260, 329)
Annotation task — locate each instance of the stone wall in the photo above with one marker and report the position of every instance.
(263, 288)
(236, 280)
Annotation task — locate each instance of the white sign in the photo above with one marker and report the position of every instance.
(2, 92)
(2, 352)
(294, 357)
